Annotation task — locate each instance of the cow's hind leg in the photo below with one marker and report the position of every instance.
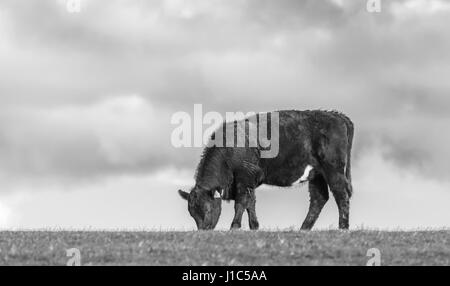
(318, 192)
(341, 189)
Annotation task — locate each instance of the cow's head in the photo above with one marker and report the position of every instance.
(204, 206)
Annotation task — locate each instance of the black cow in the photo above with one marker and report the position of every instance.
(314, 146)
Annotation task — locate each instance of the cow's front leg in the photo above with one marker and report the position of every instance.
(241, 203)
(251, 209)
(239, 209)
(245, 201)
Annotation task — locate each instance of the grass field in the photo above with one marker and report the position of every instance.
(330, 247)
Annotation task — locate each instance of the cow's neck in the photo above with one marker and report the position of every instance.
(212, 170)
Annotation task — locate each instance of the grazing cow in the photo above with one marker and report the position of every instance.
(314, 146)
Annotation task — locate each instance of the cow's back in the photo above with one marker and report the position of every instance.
(301, 137)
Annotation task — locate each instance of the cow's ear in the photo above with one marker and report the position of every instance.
(183, 194)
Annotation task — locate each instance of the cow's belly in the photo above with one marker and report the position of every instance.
(284, 177)
(295, 154)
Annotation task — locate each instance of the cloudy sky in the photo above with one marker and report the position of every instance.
(86, 100)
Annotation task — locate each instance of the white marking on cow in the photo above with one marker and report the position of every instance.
(217, 195)
(305, 175)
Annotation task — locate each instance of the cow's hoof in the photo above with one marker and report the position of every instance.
(235, 226)
(254, 225)
(344, 225)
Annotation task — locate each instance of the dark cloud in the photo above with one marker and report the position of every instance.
(292, 14)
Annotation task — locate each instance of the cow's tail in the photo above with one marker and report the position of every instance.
(348, 169)
(350, 133)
